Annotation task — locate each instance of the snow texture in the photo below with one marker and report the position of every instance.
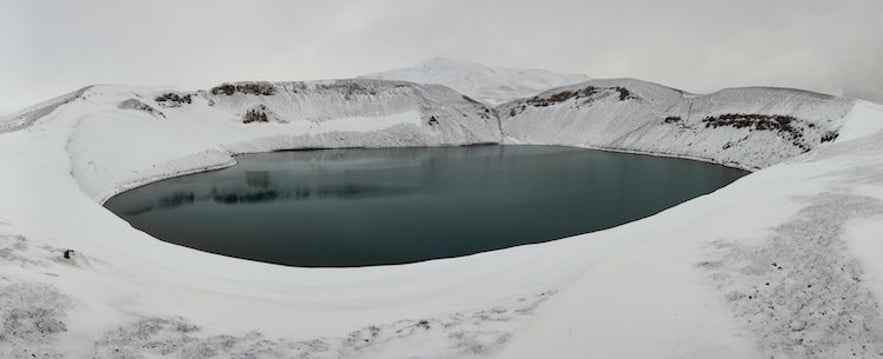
(781, 263)
(488, 84)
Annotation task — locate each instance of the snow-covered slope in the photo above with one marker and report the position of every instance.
(784, 262)
(489, 84)
(211, 126)
(742, 127)
(23, 118)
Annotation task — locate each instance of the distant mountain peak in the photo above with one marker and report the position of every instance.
(447, 61)
(489, 84)
(442, 60)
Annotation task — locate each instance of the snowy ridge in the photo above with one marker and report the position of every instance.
(488, 84)
(27, 116)
(208, 127)
(748, 128)
(783, 262)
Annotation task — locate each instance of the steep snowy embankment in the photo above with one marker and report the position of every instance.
(489, 84)
(745, 127)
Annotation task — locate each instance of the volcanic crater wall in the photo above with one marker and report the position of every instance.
(749, 128)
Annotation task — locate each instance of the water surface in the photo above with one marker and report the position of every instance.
(357, 207)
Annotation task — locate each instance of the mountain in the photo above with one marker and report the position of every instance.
(783, 262)
(751, 128)
(488, 84)
(242, 117)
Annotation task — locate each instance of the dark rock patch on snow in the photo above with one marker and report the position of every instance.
(19, 251)
(785, 125)
(672, 119)
(478, 333)
(807, 299)
(829, 136)
(31, 317)
(135, 104)
(247, 88)
(587, 95)
(255, 115)
(171, 99)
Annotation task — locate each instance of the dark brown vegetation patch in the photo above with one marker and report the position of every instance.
(255, 115)
(172, 99)
(624, 93)
(559, 97)
(587, 95)
(782, 124)
(830, 136)
(252, 88)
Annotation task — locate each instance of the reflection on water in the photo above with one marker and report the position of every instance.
(244, 197)
(241, 195)
(259, 179)
(353, 207)
(175, 200)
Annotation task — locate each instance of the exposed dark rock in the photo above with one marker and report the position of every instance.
(783, 124)
(252, 88)
(254, 115)
(830, 136)
(672, 119)
(559, 97)
(424, 324)
(587, 94)
(226, 89)
(134, 104)
(257, 114)
(172, 99)
(470, 99)
(624, 93)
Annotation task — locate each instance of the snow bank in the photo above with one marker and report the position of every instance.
(765, 266)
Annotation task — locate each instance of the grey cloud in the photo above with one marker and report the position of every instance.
(51, 47)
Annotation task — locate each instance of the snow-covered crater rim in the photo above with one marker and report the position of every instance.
(209, 161)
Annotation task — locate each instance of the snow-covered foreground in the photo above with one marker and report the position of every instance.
(782, 262)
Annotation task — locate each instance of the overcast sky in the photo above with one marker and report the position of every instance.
(48, 48)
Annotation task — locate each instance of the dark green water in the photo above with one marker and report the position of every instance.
(357, 207)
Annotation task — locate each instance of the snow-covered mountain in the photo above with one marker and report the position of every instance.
(783, 262)
(235, 118)
(491, 85)
(749, 128)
